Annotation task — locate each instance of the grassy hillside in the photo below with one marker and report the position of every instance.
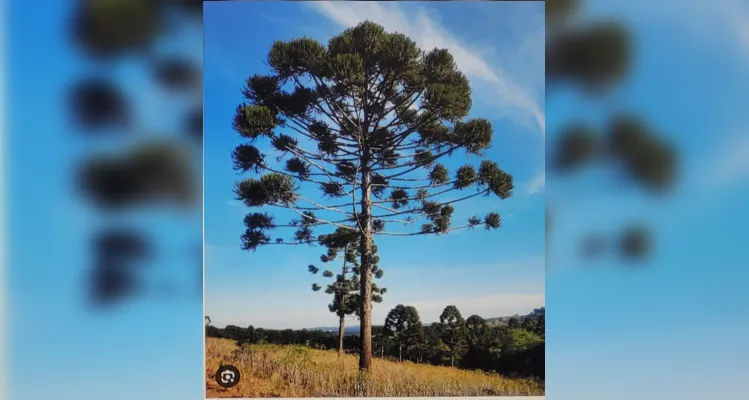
(298, 371)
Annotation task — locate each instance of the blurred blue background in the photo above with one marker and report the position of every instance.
(148, 345)
(671, 327)
(667, 328)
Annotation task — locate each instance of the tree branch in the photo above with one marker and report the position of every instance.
(413, 211)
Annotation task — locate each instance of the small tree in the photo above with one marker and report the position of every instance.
(482, 345)
(250, 335)
(345, 287)
(453, 333)
(363, 121)
(433, 347)
(403, 326)
(477, 330)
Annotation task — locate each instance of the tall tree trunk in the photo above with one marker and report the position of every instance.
(341, 323)
(365, 246)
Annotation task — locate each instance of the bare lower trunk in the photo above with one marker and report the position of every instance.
(341, 323)
(365, 357)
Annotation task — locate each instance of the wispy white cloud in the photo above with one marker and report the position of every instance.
(513, 100)
(537, 184)
(729, 165)
(218, 62)
(725, 22)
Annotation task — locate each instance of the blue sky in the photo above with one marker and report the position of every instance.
(487, 273)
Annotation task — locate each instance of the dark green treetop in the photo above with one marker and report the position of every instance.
(476, 329)
(367, 112)
(404, 327)
(453, 332)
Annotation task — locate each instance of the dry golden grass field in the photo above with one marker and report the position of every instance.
(297, 371)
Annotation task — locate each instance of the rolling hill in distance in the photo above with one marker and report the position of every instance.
(496, 321)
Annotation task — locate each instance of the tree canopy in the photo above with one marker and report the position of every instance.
(403, 327)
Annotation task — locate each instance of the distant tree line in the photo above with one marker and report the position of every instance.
(513, 346)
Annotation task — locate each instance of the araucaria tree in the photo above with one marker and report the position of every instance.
(403, 327)
(345, 286)
(359, 127)
(453, 333)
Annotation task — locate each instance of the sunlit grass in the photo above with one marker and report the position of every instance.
(298, 371)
